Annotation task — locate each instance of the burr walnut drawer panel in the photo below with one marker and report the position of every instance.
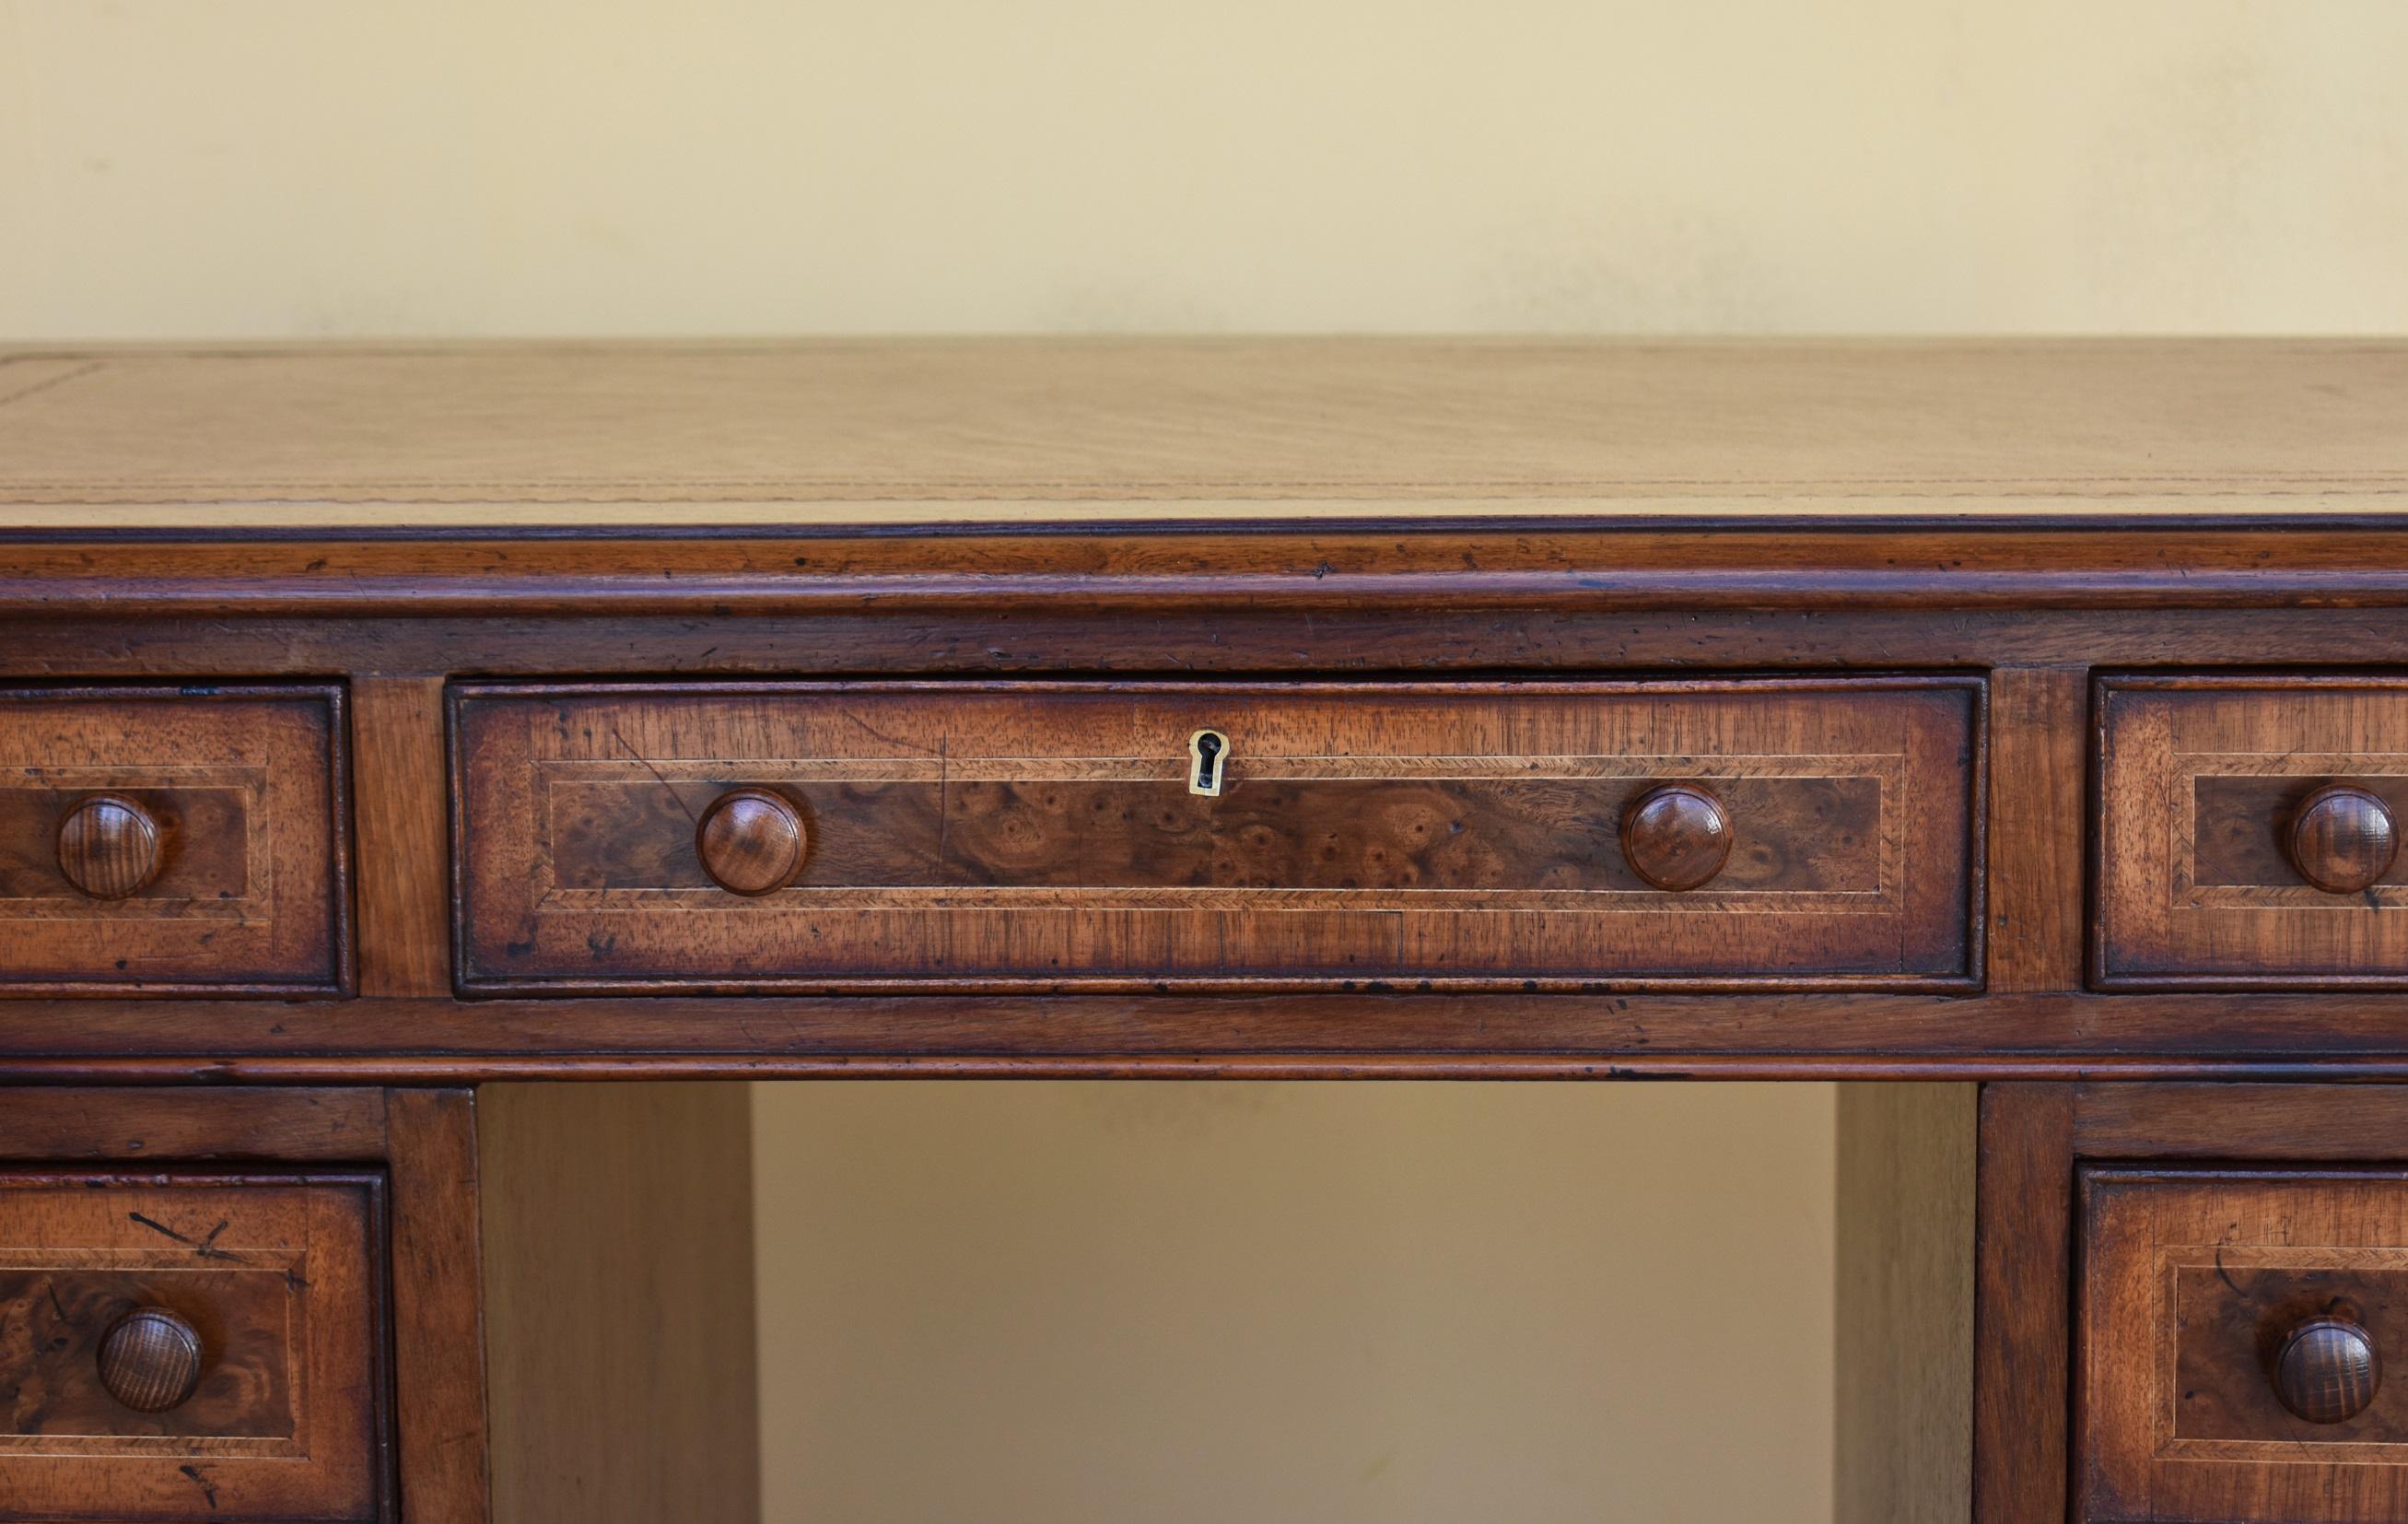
(2244, 1346)
(172, 841)
(807, 836)
(2248, 832)
(189, 1346)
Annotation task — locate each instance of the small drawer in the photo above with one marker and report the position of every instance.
(1523, 835)
(172, 841)
(2248, 832)
(2244, 1346)
(187, 1346)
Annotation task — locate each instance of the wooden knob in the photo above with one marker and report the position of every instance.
(150, 1361)
(2328, 1370)
(109, 847)
(1676, 836)
(752, 842)
(2343, 839)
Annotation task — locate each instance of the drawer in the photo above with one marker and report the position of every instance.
(2244, 1346)
(172, 841)
(2248, 832)
(809, 836)
(186, 1347)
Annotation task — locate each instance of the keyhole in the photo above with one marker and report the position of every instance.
(1209, 749)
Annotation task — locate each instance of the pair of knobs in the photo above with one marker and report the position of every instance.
(1675, 836)
(752, 842)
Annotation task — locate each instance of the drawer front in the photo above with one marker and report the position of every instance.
(191, 1346)
(1067, 834)
(172, 841)
(2244, 1346)
(2246, 832)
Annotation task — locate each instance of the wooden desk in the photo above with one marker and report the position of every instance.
(384, 723)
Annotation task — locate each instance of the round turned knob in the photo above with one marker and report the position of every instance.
(109, 847)
(150, 1361)
(1676, 836)
(2327, 1371)
(2343, 839)
(752, 842)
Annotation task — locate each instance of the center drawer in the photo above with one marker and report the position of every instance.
(807, 836)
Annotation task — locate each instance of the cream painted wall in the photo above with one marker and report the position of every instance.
(304, 166)
(1318, 1303)
(1195, 1304)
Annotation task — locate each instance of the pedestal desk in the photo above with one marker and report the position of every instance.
(2021, 726)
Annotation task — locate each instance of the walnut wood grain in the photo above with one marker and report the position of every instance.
(107, 1279)
(1045, 834)
(619, 1278)
(2343, 839)
(151, 1359)
(404, 878)
(2047, 600)
(2288, 1123)
(1329, 588)
(441, 1435)
(1763, 1034)
(1676, 836)
(752, 842)
(2037, 850)
(2233, 1331)
(221, 1124)
(110, 847)
(2218, 796)
(184, 841)
(2328, 1370)
(2023, 1266)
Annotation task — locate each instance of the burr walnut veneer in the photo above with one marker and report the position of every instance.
(377, 724)
(1052, 835)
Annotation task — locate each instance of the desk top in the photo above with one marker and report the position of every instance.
(864, 432)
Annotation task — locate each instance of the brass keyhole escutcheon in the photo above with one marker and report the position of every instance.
(1208, 756)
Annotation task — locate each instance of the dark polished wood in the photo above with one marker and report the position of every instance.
(2233, 1340)
(151, 1359)
(269, 1163)
(752, 842)
(110, 847)
(2023, 1262)
(2034, 1022)
(2176, 1238)
(1047, 835)
(2343, 839)
(1725, 566)
(658, 1417)
(430, 1153)
(182, 1344)
(2093, 805)
(191, 840)
(2328, 1370)
(2228, 855)
(1676, 836)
